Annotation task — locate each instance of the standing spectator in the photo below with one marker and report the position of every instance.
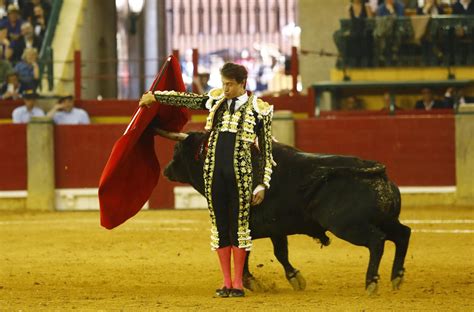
(64, 113)
(463, 7)
(13, 88)
(39, 21)
(24, 113)
(428, 101)
(28, 69)
(387, 32)
(6, 50)
(359, 42)
(28, 40)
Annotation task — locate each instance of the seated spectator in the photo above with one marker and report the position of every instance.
(12, 89)
(387, 32)
(353, 103)
(453, 98)
(28, 39)
(24, 113)
(13, 23)
(5, 68)
(28, 9)
(39, 21)
(463, 7)
(3, 9)
(428, 101)
(430, 7)
(6, 50)
(389, 104)
(391, 7)
(64, 113)
(28, 69)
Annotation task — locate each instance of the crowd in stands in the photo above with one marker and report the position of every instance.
(359, 46)
(22, 29)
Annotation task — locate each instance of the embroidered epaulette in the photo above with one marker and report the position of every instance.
(190, 100)
(216, 93)
(262, 107)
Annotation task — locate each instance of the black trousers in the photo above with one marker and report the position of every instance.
(225, 195)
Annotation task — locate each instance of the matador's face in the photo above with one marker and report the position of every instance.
(232, 88)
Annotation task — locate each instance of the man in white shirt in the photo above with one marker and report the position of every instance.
(24, 113)
(64, 113)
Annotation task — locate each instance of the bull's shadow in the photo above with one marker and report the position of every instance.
(311, 194)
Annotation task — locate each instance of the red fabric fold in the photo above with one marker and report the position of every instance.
(132, 170)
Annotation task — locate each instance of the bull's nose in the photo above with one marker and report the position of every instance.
(167, 173)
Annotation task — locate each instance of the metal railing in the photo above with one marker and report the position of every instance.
(46, 52)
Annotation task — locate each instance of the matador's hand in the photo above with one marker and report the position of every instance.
(147, 99)
(258, 198)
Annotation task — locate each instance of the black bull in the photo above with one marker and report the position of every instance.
(311, 194)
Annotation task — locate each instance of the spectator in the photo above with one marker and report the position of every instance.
(353, 103)
(463, 7)
(428, 101)
(3, 10)
(430, 7)
(28, 9)
(64, 113)
(24, 113)
(453, 98)
(6, 51)
(431, 48)
(387, 32)
(28, 69)
(5, 68)
(359, 42)
(13, 88)
(39, 21)
(202, 83)
(28, 39)
(13, 23)
(391, 8)
(389, 104)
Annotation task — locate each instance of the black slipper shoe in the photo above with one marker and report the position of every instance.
(234, 292)
(222, 292)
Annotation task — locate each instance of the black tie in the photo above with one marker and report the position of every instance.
(232, 105)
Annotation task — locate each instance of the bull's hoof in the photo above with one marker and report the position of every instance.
(297, 280)
(372, 288)
(253, 284)
(398, 280)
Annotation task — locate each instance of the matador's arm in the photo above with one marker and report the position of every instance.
(187, 99)
(265, 140)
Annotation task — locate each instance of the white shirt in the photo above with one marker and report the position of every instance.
(23, 115)
(77, 116)
(241, 100)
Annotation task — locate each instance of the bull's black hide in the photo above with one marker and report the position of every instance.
(311, 194)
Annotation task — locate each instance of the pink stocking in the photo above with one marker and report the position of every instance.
(224, 259)
(239, 255)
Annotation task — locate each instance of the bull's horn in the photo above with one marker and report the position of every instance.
(175, 136)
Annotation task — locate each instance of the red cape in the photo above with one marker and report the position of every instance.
(132, 170)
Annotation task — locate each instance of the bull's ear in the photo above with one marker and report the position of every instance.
(175, 136)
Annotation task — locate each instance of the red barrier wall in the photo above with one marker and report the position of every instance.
(13, 161)
(418, 150)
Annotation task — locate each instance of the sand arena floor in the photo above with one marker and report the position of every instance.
(160, 260)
